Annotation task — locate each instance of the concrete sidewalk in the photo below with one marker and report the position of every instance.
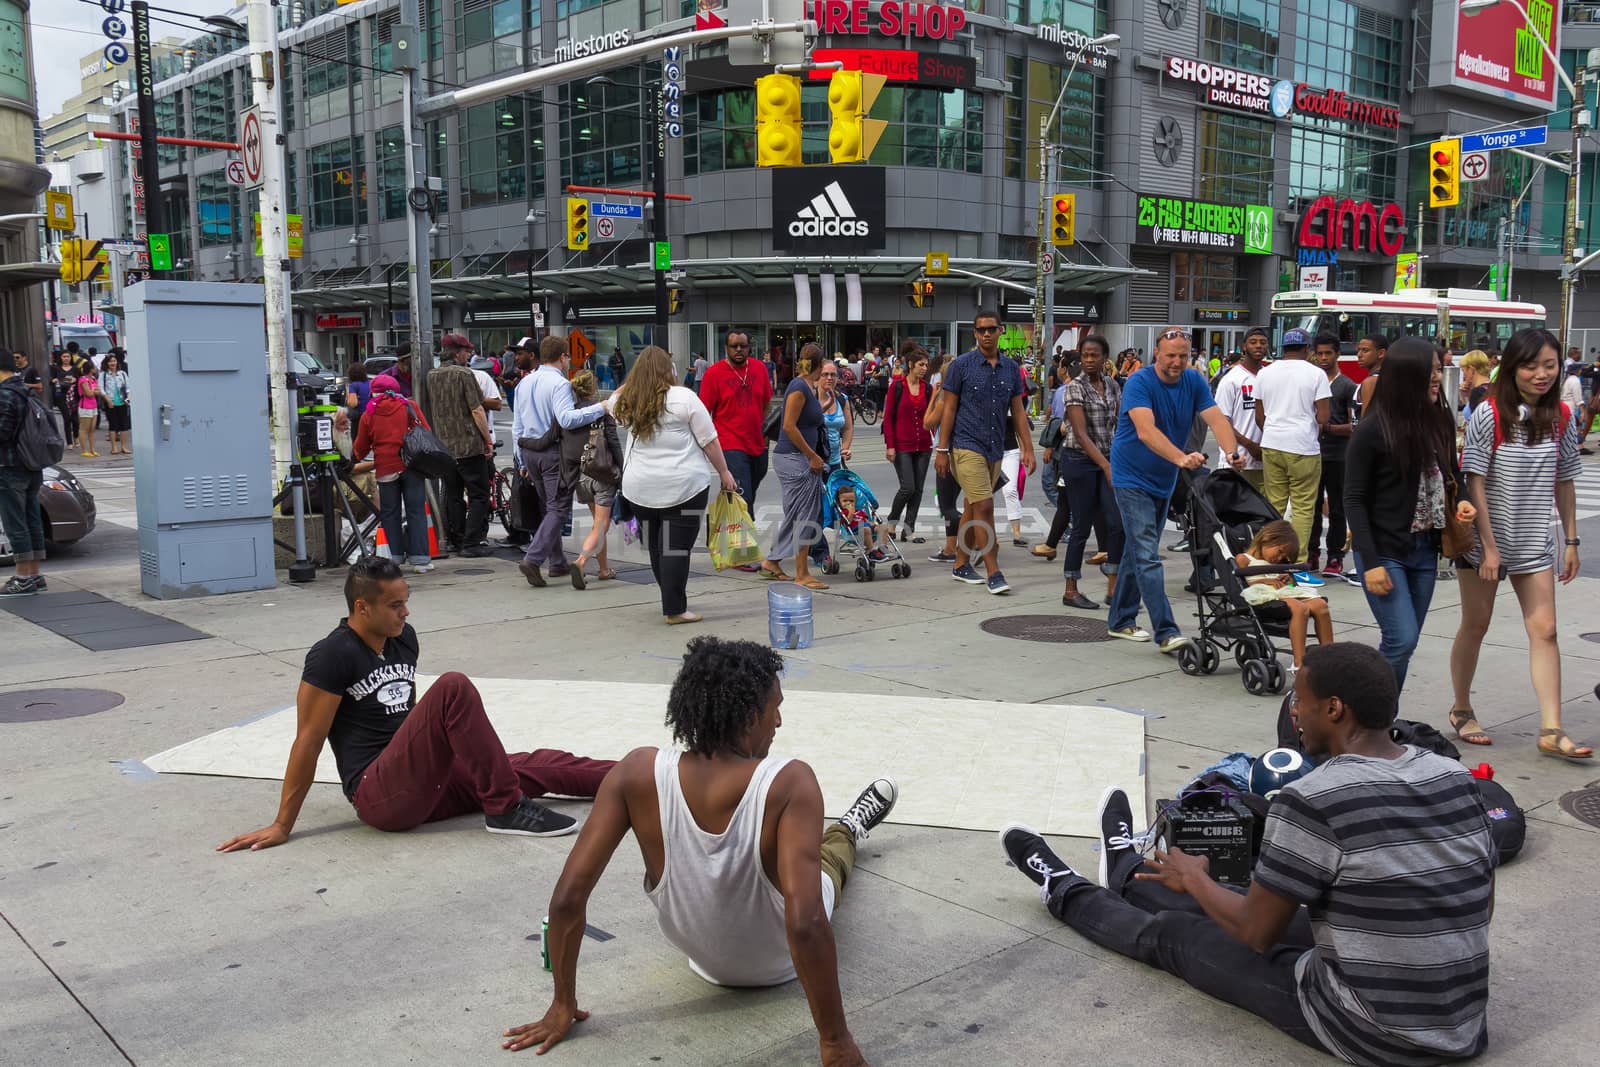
(129, 939)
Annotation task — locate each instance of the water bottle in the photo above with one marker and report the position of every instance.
(789, 616)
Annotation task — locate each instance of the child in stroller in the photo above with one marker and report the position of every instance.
(849, 506)
(1275, 596)
(859, 523)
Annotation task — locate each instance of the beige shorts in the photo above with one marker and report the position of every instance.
(974, 474)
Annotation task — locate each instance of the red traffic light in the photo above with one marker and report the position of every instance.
(1063, 203)
(1442, 158)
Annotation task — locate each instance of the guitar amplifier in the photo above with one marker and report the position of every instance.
(1219, 827)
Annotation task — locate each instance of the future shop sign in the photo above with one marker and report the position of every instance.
(1263, 95)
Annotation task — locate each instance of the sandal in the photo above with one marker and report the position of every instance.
(606, 576)
(767, 574)
(685, 618)
(1460, 721)
(1562, 746)
(808, 582)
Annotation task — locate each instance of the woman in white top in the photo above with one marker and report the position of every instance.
(665, 476)
(1521, 454)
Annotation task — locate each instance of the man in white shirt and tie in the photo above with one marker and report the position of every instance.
(542, 409)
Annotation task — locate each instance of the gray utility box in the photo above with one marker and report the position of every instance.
(202, 453)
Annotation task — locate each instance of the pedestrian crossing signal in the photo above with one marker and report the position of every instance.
(851, 135)
(1444, 173)
(778, 121)
(922, 292)
(1064, 219)
(674, 301)
(577, 223)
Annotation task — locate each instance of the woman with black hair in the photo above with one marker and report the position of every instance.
(1400, 479)
(1521, 451)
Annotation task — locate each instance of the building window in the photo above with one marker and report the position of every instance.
(433, 37)
(1322, 162)
(489, 35)
(1204, 279)
(392, 184)
(497, 153)
(435, 141)
(169, 122)
(602, 126)
(333, 80)
(217, 205)
(286, 80)
(1079, 128)
(937, 128)
(338, 184)
(291, 180)
(1235, 159)
(1086, 16)
(1242, 33)
(214, 115)
(1343, 46)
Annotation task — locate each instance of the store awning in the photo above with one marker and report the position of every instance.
(22, 275)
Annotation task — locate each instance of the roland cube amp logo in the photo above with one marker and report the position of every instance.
(828, 210)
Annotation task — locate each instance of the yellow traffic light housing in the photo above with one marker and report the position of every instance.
(71, 261)
(674, 301)
(778, 121)
(577, 223)
(851, 135)
(1064, 219)
(1444, 173)
(922, 292)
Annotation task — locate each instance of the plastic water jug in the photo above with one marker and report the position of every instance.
(789, 616)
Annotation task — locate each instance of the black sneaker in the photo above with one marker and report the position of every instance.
(871, 808)
(1118, 845)
(528, 819)
(1029, 854)
(477, 551)
(39, 584)
(941, 557)
(19, 586)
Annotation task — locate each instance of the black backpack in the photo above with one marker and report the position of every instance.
(39, 443)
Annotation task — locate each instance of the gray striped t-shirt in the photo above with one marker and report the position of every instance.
(1394, 863)
(1519, 486)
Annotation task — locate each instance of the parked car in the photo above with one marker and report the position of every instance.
(380, 363)
(306, 363)
(68, 511)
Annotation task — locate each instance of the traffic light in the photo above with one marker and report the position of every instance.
(577, 223)
(851, 135)
(922, 292)
(674, 301)
(778, 121)
(71, 261)
(1064, 219)
(1444, 173)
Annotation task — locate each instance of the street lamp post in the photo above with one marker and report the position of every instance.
(1580, 122)
(1044, 287)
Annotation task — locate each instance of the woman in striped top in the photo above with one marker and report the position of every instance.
(1521, 451)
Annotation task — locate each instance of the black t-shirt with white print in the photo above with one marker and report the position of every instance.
(376, 694)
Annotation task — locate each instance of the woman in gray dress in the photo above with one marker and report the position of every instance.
(800, 467)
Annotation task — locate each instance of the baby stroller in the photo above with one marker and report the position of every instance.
(1225, 513)
(866, 567)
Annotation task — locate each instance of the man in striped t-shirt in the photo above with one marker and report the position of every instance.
(1365, 931)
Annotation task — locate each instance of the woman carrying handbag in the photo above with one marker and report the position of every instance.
(595, 457)
(383, 430)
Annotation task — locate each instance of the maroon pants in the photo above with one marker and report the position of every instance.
(446, 760)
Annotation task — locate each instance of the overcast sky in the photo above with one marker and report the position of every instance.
(64, 30)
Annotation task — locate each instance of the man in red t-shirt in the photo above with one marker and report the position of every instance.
(736, 391)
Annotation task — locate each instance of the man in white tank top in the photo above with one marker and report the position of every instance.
(743, 878)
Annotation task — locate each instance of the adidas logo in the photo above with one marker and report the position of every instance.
(828, 215)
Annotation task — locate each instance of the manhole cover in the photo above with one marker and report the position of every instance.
(1592, 636)
(1051, 629)
(1583, 805)
(473, 570)
(42, 705)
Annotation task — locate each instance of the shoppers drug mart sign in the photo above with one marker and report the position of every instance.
(1259, 94)
(1497, 52)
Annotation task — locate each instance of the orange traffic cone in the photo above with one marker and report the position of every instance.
(433, 534)
(381, 544)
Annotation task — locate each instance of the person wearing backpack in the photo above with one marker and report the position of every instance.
(29, 442)
(1520, 453)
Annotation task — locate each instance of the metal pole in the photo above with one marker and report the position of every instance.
(1038, 257)
(420, 263)
(659, 177)
(1569, 232)
(1419, 243)
(263, 28)
(144, 82)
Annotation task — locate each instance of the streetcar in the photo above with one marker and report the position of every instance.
(1466, 318)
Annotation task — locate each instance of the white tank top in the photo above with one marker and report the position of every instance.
(714, 901)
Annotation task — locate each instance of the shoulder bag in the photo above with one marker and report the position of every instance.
(598, 463)
(422, 451)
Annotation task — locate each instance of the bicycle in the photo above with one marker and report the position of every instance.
(866, 406)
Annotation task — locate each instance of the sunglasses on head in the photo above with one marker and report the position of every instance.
(1174, 335)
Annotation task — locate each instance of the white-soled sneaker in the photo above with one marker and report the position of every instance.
(871, 808)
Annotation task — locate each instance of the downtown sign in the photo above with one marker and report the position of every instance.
(1260, 94)
(1496, 52)
(1174, 222)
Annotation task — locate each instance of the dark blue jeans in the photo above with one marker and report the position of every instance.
(1143, 515)
(410, 489)
(20, 516)
(747, 469)
(1400, 612)
(1093, 506)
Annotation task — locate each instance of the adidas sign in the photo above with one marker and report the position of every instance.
(829, 215)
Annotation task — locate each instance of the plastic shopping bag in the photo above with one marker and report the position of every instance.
(731, 532)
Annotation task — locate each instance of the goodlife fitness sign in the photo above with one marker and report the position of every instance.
(1496, 52)
(1260, 94)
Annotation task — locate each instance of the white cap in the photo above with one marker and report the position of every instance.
(527, 342)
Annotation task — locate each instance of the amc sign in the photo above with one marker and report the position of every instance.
(1359, 226)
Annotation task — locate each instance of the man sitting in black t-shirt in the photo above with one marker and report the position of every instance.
(1365, 932)
(403, 766)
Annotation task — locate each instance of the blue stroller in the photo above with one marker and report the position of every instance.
(887, 552)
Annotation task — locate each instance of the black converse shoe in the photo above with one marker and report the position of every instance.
(1119, 845)
(528, 819)
(1029, 854)
(871, 808)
